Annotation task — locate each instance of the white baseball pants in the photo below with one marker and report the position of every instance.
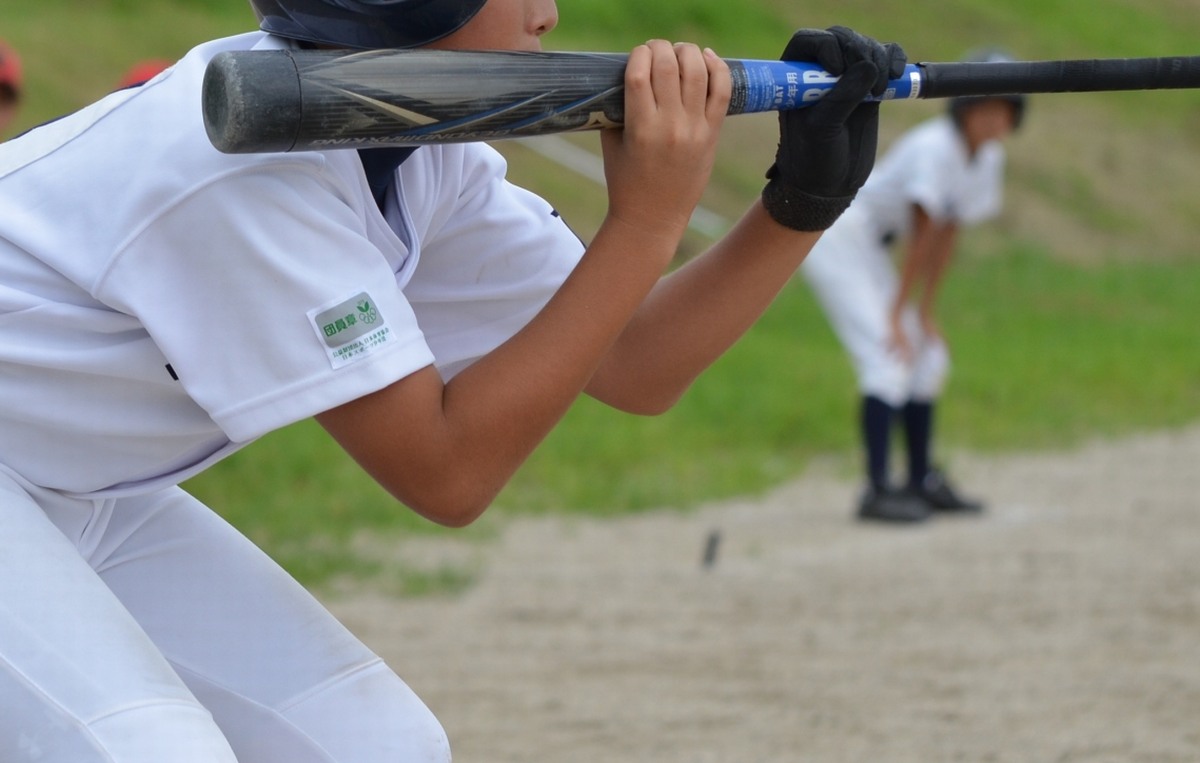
(853, 278)
(146, 629)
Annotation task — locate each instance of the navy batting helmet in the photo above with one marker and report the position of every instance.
(365, 23)
(986, 56)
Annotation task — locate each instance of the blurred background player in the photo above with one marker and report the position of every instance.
(943, 174)
(10, 86)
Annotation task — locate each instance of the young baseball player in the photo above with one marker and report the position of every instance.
(162, 305)
(10, 86)
(938, 177)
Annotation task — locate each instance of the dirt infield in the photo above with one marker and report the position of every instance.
(1063, 625)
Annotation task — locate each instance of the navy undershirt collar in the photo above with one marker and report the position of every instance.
(380, 165)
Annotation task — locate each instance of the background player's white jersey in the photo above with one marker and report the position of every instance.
(930, 166)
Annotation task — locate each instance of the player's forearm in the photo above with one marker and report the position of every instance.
(447, 450)
(941, 252)
(546, 365)
(695, 314)
(613, 326)
(918, 255)
(915, 263)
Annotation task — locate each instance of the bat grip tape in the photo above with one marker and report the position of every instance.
(949, 80)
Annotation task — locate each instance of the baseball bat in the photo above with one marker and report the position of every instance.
(307, 100)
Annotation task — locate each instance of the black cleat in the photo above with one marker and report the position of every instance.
(892, 506)
(940, 496)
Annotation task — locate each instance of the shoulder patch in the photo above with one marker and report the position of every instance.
(351, 329)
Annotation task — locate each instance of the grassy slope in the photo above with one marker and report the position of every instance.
(1072, 316)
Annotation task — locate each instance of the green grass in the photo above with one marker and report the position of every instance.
(1072, 317)
(1050, 354)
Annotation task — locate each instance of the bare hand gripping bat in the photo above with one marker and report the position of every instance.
(307, 100)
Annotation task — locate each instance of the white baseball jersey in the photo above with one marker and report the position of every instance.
(162, 304)
(851, 270)
(929, 166)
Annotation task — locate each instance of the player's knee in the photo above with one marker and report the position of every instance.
(413, 734)
(423, 740)
(372, 715)
(889, 385)
(927, 388)
(929, 376)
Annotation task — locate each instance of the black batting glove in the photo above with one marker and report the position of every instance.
(827, 150)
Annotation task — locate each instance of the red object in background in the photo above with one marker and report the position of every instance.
(143, 71)
(10, 68)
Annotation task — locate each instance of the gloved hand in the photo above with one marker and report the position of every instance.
(827, 150)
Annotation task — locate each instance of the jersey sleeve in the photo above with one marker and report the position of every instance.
(268, 297)
(492, 253)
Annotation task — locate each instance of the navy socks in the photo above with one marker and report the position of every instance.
(877, 433)
(876, 425)
(918, 434)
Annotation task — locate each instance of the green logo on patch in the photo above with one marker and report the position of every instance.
(348, 321)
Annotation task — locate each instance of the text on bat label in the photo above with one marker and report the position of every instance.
(819, 82)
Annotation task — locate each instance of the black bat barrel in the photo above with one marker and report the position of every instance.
(262, 101)
(252, 105)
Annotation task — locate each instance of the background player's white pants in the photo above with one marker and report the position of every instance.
(852, 276)
(147, 630)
